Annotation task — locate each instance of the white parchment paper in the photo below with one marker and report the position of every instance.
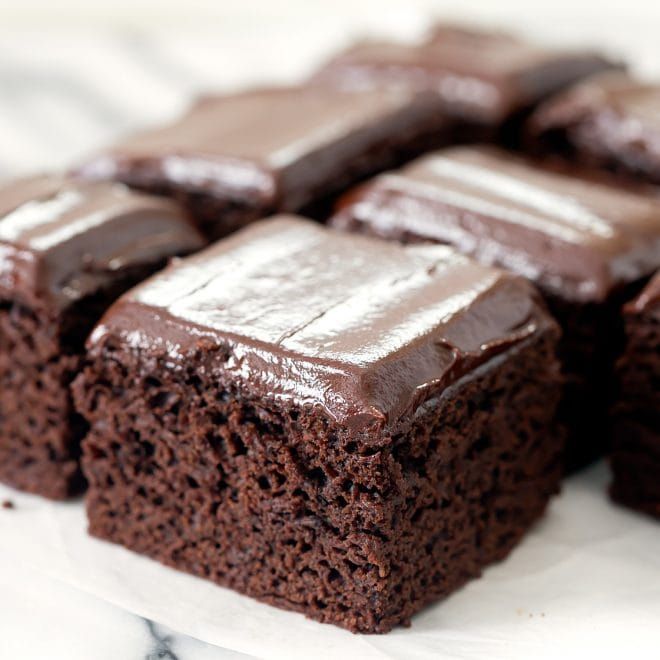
(585, 583)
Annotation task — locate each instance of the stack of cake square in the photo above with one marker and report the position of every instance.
(352, 420)
(70, 246)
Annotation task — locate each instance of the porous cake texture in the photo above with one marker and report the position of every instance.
(332, 424)
(67, 250)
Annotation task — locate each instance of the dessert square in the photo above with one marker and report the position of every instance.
(67, 250)
(636, 429)
(333, 424)
(587, 246)
(608, 122)
(482, 77)
(234, 159)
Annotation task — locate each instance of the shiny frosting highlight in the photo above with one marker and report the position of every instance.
(272, 146)
(575, 237)
(367, 329)
(61, 240)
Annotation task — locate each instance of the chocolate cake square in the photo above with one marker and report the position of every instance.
(588, 246)
(607, 122)
(636, 428)
(234, 159)
(482, 77)
(336, 425)
(67, 250)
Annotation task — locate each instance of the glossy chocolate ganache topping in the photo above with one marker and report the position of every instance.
(575, 237)
(367, 329)
(61, 240)
(275, 148)
(611, 120)
(481, 76)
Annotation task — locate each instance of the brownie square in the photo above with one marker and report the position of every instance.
(67, 250)
(333, 424)
(234, 159)
(485, 78)
(606, 122)
(636, 428)
(587, 246)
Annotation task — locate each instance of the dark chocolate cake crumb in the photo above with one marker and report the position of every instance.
(67, 250)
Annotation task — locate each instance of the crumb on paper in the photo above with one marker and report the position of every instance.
(7, 504)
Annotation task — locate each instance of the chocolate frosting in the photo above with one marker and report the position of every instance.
(62, 240)
(272, 148)
(612, 117)
(574, 237)
(481, 76)
(367, 329)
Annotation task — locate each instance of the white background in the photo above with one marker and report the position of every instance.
(138, 62)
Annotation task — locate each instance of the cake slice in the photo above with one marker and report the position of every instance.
(608, 122)
(67, 250)
(636, 429)
(483, 78)
(333, 424)
(233, 159)
(587, 245)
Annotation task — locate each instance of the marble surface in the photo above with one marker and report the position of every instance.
(42, 617)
